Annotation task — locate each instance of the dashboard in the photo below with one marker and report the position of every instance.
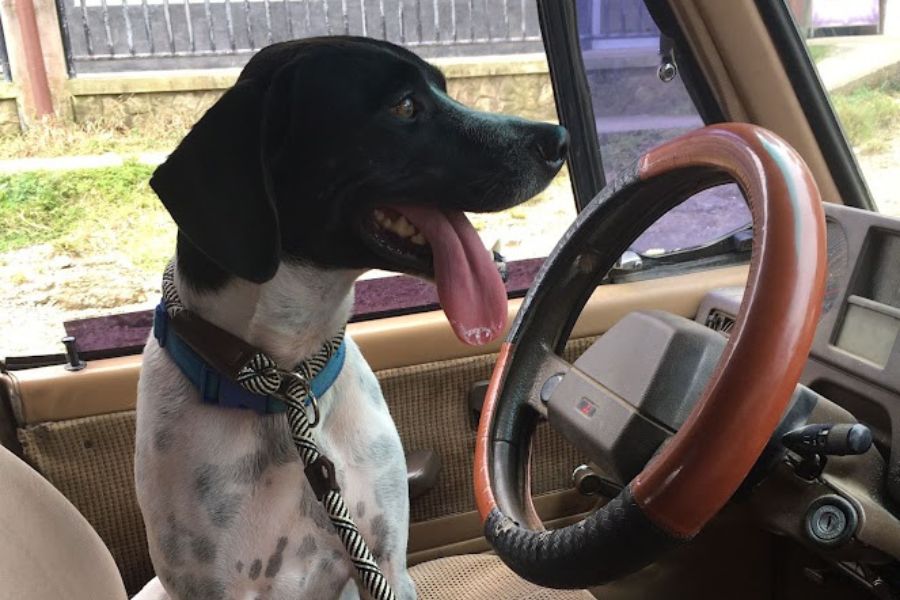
(855, 358)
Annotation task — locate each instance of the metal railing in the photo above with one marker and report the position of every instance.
(117, 35)
(601, 20)
(104, 35)
(5, 75)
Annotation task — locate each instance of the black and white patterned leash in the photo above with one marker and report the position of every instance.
(262, 376)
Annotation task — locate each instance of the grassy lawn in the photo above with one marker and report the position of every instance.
(870, 116)
(96, 211)
(819, 52)
(81, 213)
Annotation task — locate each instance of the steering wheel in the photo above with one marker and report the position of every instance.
(691, 476)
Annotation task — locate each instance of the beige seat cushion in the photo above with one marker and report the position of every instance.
(47, 549)
(480, 577)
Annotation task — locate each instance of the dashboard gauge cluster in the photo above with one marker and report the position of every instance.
(855, 358)
(859, 330)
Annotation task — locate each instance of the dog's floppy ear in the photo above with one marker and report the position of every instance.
(213, 186)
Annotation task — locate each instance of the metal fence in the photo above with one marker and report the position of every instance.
(4, 57)
(118, 35)
(604, 20)
(105, 35)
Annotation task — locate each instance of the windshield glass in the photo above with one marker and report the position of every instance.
(640, 101)
(856, 50)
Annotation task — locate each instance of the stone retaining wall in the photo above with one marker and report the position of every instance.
(9, 116)
(130, 108)
(511, 84)
(9, 112)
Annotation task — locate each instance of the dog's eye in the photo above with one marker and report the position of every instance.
(405, 109)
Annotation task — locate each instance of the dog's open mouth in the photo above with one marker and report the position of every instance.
(444, 245)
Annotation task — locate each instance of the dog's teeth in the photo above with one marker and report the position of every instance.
(404, 228)
(397, 227)
(400, 226)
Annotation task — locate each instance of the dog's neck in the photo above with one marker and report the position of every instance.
(288, 317)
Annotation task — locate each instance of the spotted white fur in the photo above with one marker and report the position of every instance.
(228, 511)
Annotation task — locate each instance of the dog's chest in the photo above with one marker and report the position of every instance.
(239, 515)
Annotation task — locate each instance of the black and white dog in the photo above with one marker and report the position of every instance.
(328, 157)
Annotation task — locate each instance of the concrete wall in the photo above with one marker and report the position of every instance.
(9, 117)
(510, 84)
(9, 110)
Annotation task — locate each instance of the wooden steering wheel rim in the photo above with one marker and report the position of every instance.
(697, 472)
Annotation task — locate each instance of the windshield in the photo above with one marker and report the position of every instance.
(856, 51)
(639, 101)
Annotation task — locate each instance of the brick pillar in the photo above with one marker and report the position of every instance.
(54, 56)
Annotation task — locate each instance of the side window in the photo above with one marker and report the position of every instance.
(858, 62)
(638, 105)
(82, 236)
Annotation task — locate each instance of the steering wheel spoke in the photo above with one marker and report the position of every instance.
(603, 425)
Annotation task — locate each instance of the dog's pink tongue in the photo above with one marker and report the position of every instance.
(470, 289)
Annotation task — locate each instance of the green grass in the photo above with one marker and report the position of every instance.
(870, 116)
(820, 52)
(86, 212)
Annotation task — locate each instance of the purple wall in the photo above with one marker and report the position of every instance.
(845, 13)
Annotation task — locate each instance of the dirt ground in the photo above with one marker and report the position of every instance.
(43, 289)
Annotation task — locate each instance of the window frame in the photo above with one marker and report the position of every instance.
(816, 105)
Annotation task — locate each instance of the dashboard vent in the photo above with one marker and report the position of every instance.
(720, 321)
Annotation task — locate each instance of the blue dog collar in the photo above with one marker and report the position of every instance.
(220, 390)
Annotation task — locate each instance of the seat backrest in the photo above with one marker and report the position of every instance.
(47, 549)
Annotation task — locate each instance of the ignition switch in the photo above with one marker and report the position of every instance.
(831, 521)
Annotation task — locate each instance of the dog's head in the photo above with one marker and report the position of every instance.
(348, 153)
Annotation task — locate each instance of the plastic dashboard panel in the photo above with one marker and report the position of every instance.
(863, 273)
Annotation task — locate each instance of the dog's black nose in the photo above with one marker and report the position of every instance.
(552, 143)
